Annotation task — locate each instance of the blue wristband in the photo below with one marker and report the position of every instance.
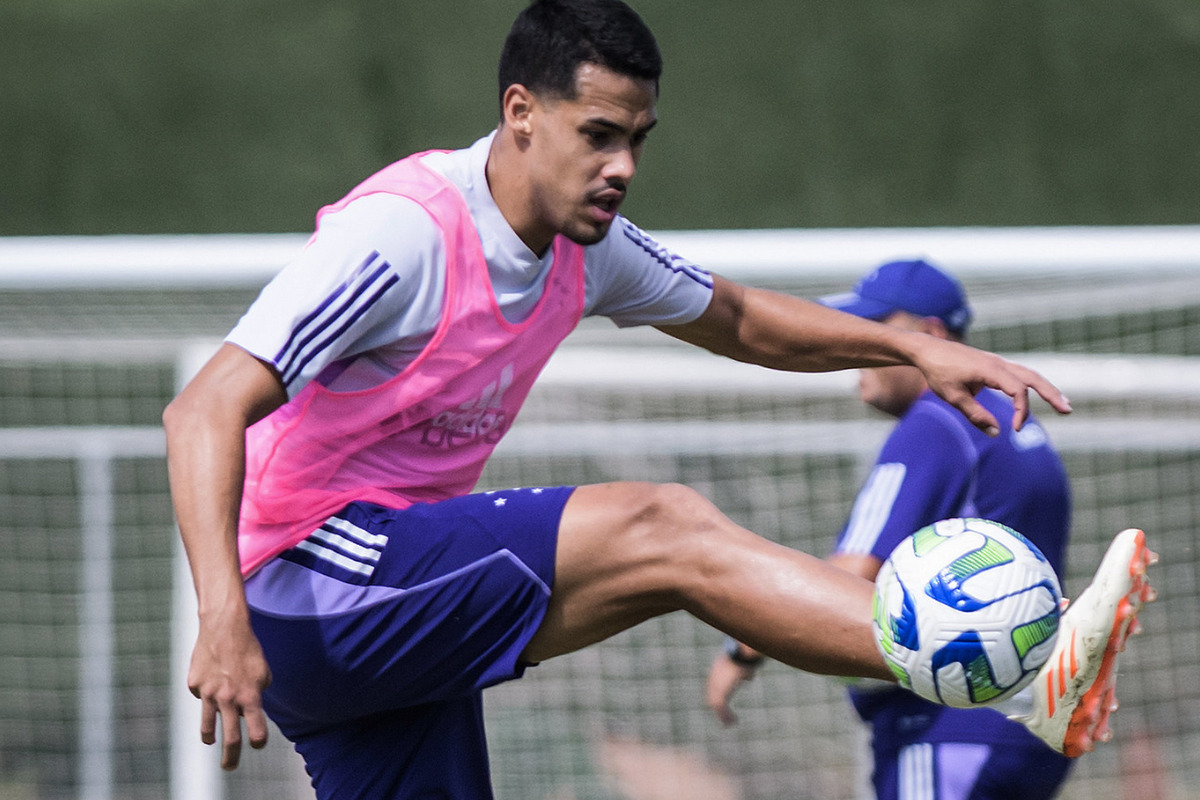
(733, 649)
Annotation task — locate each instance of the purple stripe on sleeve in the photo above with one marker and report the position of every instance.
(348, 315)
(316, 312)
(665, 257)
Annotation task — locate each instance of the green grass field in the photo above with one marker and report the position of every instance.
(220, 116)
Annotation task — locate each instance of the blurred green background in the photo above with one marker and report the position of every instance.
(145, 116)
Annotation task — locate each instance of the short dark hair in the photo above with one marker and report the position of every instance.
(551, 38)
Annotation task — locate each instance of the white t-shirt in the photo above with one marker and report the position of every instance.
(364, 297)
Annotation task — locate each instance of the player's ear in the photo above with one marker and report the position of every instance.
(518, 109)
(935, 327)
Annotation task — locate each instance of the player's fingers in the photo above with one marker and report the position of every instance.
(256, 726)
(978, 416)
(208, 722)
(718, 701)
(1023, 379)
(231, 736)
(1049, 392)
(1020, 409)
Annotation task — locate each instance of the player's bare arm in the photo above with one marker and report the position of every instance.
(205, 428)
(788, 333)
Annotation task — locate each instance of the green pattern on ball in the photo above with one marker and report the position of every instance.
(1031, 634)
(926, 539)
(992, 554)
(901, 674)
(982, 682)
(887, 639)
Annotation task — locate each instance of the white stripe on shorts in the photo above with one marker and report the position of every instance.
(334, 557)
(916, 779)
(356, 536)
(346, 545)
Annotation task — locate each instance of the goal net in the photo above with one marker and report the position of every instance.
(97, 332)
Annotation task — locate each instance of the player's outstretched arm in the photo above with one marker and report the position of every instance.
(783, 332)
(206, 426)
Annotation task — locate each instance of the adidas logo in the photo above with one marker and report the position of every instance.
(483, 418)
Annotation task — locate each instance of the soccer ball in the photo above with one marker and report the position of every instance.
(966, 611)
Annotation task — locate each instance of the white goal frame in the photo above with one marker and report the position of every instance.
(230, 260)
(194, 767)
(47, 264)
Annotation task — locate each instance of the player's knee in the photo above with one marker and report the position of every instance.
(672, 518)
(660, 537)
(686, 508)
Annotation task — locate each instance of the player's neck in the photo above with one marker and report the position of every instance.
(509, 186)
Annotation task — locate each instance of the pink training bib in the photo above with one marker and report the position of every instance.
(425, 434)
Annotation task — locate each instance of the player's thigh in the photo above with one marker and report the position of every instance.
(628, 552)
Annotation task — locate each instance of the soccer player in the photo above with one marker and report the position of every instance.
(321, 463)
(935, 465)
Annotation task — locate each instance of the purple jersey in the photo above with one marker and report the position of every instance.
(936, 465)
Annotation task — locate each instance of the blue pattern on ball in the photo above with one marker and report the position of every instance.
(904, 626)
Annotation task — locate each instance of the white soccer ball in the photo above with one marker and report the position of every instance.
(966, 611)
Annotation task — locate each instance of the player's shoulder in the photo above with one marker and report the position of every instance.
(373, 213)
(995, 401)
(628, 245)
(397, 227)
(623, 240)
(931, 411)
(930, 426)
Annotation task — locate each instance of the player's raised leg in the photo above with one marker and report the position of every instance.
(631, 551)
(1075, 692)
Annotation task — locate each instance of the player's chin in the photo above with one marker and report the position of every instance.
(588, 232)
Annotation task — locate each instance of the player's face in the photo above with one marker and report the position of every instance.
(893, 390)
(585, 151)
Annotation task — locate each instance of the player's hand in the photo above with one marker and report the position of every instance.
(228, 673)
(724, 677)
(957, 372)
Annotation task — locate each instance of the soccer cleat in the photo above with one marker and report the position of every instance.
(1075, 690)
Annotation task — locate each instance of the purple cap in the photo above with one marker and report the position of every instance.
(917, 287)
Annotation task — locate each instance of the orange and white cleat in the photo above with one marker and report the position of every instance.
(1075, 691)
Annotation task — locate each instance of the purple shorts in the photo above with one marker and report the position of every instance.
(382, 628)
(935, 753)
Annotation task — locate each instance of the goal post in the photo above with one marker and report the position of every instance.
(199, 261)
(97, 614)
(195, 767)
